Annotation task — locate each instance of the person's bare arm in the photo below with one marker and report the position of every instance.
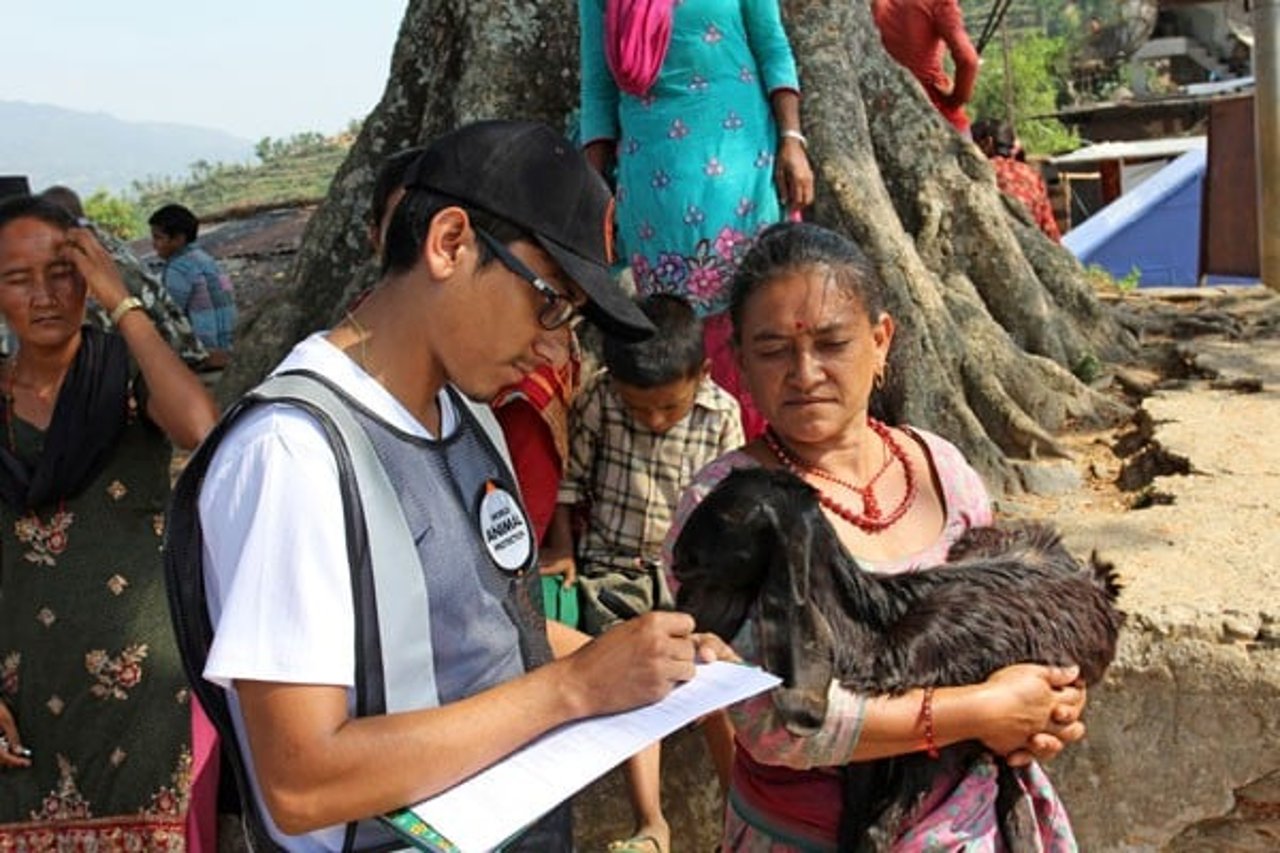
(1021, 712)
(565, 640)
(951, 27)
(792, 172)
(13, 754)
(177, 401)
(318, 767)
(600, 154)
(556, 557)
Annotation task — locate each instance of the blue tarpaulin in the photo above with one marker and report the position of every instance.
(1155, 227)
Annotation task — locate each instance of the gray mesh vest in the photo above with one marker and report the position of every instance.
(483, 622)
(476, 606)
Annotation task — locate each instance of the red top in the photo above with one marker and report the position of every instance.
(534, 416)
(534, 457)
(1025, 183)
(914, 33)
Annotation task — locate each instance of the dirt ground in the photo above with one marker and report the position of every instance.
(1202, 534)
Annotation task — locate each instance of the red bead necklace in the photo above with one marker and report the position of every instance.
(872, 519)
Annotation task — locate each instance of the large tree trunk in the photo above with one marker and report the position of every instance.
(455, 61)
(992, 317)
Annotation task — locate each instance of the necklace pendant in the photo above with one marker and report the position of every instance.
(871, 507)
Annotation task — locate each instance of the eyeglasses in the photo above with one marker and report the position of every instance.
(558, 310)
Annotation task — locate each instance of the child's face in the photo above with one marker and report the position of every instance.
(166, 246)
(661, 407)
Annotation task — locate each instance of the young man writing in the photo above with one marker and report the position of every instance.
(502, 236)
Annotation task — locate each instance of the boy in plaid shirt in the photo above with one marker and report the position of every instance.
(638, 432)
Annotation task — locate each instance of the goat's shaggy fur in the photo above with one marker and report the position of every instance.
(1012, 595)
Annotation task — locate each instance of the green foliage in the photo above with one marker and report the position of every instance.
(1087, 368)
(115, 214)
(304, 144)
(1038, 64)
(1101, 278)
(1130, 280)
(1070, 19)
(296, 169)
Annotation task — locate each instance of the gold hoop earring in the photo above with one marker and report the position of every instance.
(878, 382)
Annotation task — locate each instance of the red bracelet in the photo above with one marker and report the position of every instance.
(926, 714)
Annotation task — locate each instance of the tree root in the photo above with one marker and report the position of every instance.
(991, 316)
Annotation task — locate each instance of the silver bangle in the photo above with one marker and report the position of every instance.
(796, 135)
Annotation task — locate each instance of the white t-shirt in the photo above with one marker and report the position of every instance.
(275, 553)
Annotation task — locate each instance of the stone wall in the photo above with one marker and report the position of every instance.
(1183, 738)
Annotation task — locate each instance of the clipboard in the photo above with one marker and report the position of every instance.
(546, 772)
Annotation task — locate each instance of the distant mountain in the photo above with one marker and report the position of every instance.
(91, 151)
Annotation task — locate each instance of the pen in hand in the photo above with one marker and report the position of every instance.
(621, 608)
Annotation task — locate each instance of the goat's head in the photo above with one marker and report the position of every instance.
(722, 557)
(755, 539)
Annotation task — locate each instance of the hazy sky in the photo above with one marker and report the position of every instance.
(251, 67)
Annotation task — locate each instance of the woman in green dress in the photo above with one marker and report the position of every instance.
(95, 713)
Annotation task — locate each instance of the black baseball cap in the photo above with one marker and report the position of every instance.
(531, 176)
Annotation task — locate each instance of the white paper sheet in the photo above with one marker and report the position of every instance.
(482, 812)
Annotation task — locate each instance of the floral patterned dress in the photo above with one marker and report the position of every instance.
(88, 663)
(696, 152)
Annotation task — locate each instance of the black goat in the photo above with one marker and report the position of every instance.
(1013, 595)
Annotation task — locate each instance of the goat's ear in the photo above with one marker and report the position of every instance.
(798, 534)
(779, 606)
(796, 641)
(784, 593)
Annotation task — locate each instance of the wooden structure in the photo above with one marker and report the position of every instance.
(1229, 209)
(1092, 177)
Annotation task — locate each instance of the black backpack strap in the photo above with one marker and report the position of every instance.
(184, 582)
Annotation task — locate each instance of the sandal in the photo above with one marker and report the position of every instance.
(636, 844)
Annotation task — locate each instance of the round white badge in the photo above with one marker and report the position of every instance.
(504, 529)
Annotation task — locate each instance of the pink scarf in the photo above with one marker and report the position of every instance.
(637, 34)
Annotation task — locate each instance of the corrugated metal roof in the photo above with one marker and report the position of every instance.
(1141, 149)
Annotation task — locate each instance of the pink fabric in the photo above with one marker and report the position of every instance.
(637, 34)
(959, 814)
(717, 337)
(202, 813)
(962, 815)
